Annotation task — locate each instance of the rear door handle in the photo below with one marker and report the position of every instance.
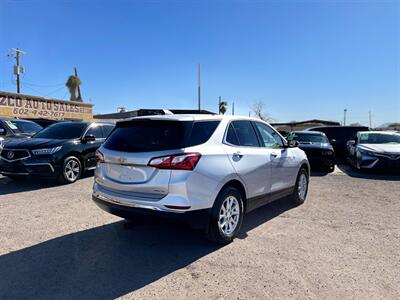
(238, 154)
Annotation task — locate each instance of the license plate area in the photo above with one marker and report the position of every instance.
(128, 173)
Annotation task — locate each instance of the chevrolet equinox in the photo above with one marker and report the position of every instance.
(208, 169)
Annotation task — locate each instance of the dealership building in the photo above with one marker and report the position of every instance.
(34, 107)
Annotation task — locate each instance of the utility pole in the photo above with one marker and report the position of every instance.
(344, 117)
(249, 114)
(79, 89)
(17, 68)
(233, 108)
(219, 105)
(198, 90)
(370, 119)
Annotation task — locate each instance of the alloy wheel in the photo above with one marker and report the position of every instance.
(229, 215)
(302, 187)
(72, 170)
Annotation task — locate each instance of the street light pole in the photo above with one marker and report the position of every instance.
(198, 88)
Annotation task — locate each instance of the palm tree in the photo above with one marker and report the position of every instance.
(222, 107)
(73, 84)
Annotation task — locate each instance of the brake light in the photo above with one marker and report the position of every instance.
(185, 161)
(99, 156)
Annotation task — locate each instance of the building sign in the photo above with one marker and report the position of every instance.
(25, 106)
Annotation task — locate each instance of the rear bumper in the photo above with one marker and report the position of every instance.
(195, 218)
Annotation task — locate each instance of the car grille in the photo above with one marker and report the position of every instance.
(12, 168)
(388, 164)
(11, 154)
(389, 156)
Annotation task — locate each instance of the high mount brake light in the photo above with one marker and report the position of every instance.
(99, 156)
(184, 161)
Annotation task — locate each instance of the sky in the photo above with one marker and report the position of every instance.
(303, 59)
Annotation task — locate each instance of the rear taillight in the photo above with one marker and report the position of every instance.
(184, 161)
(99, 157)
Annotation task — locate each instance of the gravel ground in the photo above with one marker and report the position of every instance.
(342, 243)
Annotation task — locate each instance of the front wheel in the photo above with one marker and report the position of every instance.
(226, 216)
(301, 187)
(71, 170)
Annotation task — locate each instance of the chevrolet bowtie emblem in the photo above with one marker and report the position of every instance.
(121, 160)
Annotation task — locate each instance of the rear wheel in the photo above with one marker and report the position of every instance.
(71, 170)
(226, 216)
(301, 188)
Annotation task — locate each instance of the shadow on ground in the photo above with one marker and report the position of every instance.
(369, 174)
(318, 173)
(11, 186)
(111, 260)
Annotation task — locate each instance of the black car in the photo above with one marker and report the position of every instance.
(15, 128)
(339, 136)
(63, 151)
(44, 122)
(319, 151)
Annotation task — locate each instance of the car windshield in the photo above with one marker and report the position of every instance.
(62, 131)
(379, 138)
(307, 138)
(24, 127)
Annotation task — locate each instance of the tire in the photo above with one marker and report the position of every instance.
(299, 194)
(70, 164)
(229, 196)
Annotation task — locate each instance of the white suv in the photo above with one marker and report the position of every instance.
(208, 169)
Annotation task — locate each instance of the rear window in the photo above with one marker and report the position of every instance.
(107, 130)
(156, 135)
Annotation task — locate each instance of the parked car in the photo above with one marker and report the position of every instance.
(375, 150)
(339, 136)
(63, 150)
(320, 152)
(208, 170)
(44, 122)
(11, 128)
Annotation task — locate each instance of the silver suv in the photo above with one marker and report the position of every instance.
(207, 169)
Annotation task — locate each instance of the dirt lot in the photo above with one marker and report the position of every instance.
(342, 243)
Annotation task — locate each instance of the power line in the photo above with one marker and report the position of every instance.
(36, 91)
(54, 91)
(65, 94)
(43, 85)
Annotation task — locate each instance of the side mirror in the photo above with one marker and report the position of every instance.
(351, 142)
(333, 141)
(2, 131)
(89, 138)
(293, 144)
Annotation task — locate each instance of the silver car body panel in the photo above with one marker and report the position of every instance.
(126, 178)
